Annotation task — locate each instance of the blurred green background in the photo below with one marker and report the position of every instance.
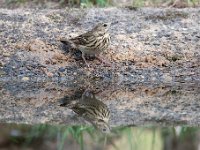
(97, 3)
(21, 136)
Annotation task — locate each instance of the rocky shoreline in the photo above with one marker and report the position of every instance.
(154, 77)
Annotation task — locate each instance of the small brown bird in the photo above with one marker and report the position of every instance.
(92, 42)
(91, 109)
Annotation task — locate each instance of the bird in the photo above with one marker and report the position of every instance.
(90, 109)
(93, 42)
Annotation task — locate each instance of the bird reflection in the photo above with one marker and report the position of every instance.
(90, 108)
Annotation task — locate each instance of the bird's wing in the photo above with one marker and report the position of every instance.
(80, 111)
(85, 39)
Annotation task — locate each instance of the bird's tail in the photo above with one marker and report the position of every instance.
(67, 42)
(70, 101)
(64, 41)
(67, 102)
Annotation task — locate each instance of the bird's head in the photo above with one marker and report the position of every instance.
(103, 126)
(101, 28)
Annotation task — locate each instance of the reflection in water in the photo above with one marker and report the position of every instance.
(16, 136)
(137, 106)
(90, 108)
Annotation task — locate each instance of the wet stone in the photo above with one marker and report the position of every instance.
(61, 69)
(2, 73)
(78, 55)
(156, 43)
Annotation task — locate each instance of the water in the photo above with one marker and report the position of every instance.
(98, 116)
(43, 136)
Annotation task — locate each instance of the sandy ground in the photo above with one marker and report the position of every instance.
(167, 40)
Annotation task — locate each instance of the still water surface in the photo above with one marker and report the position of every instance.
(43, 136)
(59, 117)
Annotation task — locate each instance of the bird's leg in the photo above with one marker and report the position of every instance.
(103, 61)
(83, 56)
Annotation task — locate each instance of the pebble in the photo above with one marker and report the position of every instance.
(25, 79)
(5, 54)
(1, 64)
(61, 69)
(2, 73)
(167, 78)
(156, 43)
(49, 74)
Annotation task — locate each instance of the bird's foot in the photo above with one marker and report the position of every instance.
(83, 56)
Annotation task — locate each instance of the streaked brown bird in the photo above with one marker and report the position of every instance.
(90, 109)
(92, 42)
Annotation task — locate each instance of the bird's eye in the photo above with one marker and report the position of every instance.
(104, 130)
(105, 25)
